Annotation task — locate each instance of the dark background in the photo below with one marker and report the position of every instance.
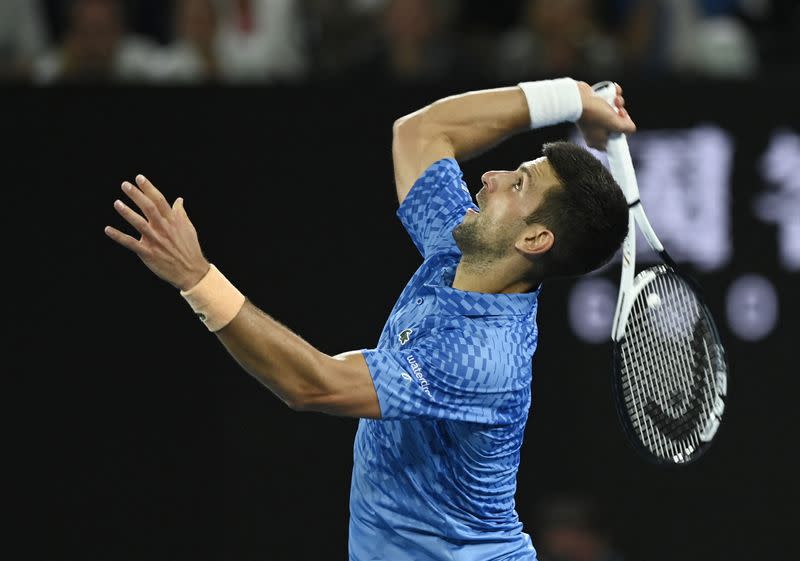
(133, 435)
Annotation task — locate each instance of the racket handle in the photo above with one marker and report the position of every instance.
(619, 155)
(621, 166)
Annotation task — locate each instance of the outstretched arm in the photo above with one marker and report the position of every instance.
(305, 378)
(465, 125)
(300, 375)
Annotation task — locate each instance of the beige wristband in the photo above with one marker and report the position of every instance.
(214, 299)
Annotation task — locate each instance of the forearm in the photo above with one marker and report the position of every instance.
(465, 125)
(287, 365)
(474, 121)
(301, 376)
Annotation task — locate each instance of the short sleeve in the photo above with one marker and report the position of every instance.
(435, 205)
(445, 379)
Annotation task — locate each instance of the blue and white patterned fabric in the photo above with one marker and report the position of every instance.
(434, 479)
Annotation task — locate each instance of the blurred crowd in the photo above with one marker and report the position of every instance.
(259, 41)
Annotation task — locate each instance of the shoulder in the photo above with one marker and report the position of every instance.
(441, 173)
(436, 203)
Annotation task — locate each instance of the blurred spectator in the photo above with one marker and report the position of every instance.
(690, 37)
(556, 39)
(416, 43)
(23, 37)
(775, 25)
(722, 47)
(96, 48)
(572, 528)
(245, 41)
(482, 26)
(193, 54)
(341, 32)
(233, 41)
(712, 44)
(260, 40)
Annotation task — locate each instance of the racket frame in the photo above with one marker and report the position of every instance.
(631, 285)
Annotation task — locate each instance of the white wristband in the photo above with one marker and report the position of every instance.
(552, 101)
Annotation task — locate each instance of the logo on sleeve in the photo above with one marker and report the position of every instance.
(407, 377)
(404, 336)
(415, 368)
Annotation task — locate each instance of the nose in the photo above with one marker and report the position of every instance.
(489, 181)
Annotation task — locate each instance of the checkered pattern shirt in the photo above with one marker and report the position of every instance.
(435, 477)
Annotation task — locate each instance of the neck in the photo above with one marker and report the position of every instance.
(496, 277)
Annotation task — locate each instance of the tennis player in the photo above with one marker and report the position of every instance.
(444, 396)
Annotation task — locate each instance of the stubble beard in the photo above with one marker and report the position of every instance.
(478, 251)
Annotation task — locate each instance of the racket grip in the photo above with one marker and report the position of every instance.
(619, 155)
(621, 166)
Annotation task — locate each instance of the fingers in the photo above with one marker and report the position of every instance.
(626, 125)
(155, 222)
(153, 194)
(623, 123)
(122, 239)
(131, 217)
(145, 204)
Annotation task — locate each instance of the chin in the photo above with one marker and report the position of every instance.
(467, 237)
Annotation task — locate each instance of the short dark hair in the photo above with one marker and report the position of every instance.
(587, 213)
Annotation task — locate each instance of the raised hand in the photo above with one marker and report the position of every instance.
(599, 119)
(168, 244)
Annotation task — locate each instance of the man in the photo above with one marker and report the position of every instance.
(444, 397)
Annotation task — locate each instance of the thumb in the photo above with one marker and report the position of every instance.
(178, 208)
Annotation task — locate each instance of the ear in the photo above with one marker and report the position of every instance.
(535, 240)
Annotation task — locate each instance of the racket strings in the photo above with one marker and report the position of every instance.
(668, 368)
(693, 356)
(671, 410)
(664, 387)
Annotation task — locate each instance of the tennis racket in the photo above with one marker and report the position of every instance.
(670, 376)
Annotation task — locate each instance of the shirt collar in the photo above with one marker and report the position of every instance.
(466, 303)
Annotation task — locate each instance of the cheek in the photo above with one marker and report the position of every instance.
(507, 212)
(500, 229)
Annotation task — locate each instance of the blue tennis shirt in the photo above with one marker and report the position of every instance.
(434, 479)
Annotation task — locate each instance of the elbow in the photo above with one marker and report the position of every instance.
(413, 133)
(306, 399)
(403, 122)
(401, 126)
(398, 124)
(299, 401)
(306, 386)
(310, 403)
(412, 126)
(297, 405)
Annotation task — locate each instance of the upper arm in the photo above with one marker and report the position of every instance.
(415, 146)
(347, 390)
